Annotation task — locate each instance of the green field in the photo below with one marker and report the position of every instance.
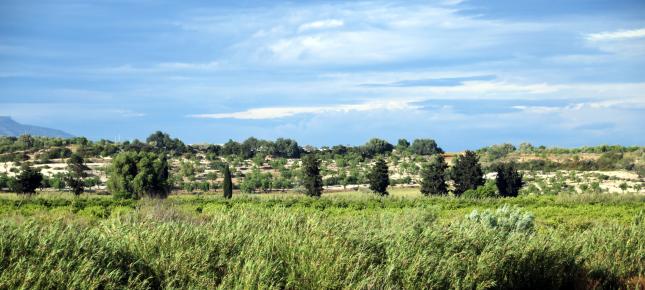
(342, 240)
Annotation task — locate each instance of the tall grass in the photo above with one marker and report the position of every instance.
(255, 244)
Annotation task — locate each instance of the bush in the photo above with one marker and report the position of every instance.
(488, 190)
(134, 175)
(505, 218)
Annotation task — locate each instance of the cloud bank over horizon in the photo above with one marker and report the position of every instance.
(467, 73)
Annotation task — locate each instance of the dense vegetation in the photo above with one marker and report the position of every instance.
(345, 241)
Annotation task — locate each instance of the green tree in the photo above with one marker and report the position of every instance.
(623, 186)
(509, 180)
(228, 182)
(376, 146)
(402, 145)
(28, 180)
(467, 172)
(76, 173)
(425, 147)
(433, 179)
(379, 178)
(134, 175)
(164, 144)
(312, 180)
(286, 148)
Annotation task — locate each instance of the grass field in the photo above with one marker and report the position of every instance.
(342, 240)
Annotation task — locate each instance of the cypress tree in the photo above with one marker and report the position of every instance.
(312, 180)
(509, 180)
(467, 173)
(228, 183)
(433, 180)
(379, 178)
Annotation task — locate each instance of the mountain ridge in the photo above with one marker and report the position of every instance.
(9, 127)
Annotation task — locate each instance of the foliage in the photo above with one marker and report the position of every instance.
(135, 175)
(163, 143)
(467, 172)
(425, 147)
(497, 151)
(256, 181)
(509, 180)
(27, 181)
(505, 218)
(379, 178)
(488, 190)
(76, 174)
(376, 146)
(433, 174)
(301, 243)
(228, 183)
(312, 180)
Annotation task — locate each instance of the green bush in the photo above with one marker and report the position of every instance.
(488, 190)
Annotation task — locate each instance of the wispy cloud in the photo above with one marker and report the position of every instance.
(617, 35)
(434, 82)
(283, 112)
(321, 24)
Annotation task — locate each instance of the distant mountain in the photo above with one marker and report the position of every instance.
(9, 127)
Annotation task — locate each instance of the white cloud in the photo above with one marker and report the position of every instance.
(321, 24)
(617, 35)
(282, 112)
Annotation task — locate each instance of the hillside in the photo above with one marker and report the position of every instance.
(9, 127)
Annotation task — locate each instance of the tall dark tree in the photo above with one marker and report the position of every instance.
(467, 172)
(228, 182)
(433, 180)
(509, 180)
(312, 180)
(379, 177)
(76, 174)
(28, 180)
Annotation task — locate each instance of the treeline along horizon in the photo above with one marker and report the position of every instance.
(161, 142)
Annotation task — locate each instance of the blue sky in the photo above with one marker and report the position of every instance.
(466, 73)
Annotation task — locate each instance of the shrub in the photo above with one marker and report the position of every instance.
(134, 175)
(488, 190)
(505, 218)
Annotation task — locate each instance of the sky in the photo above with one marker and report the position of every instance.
(465, 73)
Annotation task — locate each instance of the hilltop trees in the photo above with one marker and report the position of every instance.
(76, 174)
(228, 182)
(433, 174)
(312, 180)
(27, 181)
(509, 180)
(379, 178)
(467, 173)
(135, 175)
(163, 143)
(376, 146)
(425, 147)
(286, 148)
